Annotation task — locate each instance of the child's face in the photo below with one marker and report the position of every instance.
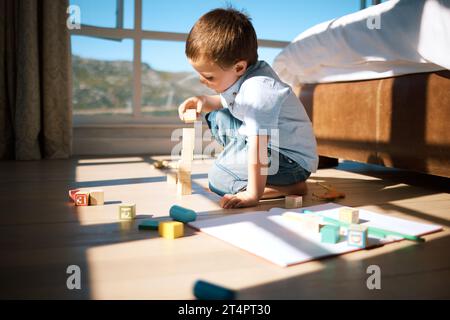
(216, 78)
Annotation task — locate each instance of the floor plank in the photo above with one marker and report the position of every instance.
(42, 233)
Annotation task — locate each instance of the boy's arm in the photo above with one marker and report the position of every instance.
(211, 103)
(257, 162)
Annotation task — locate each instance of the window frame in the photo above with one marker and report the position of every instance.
(137, 35)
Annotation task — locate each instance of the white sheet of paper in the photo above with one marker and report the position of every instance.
(275, 238)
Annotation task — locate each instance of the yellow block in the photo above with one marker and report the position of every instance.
(349, 215)
(171, 229)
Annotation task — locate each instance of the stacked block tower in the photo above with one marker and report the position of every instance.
(184, 185)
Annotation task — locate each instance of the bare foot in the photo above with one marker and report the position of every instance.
(271, 191)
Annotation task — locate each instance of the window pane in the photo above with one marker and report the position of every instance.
(101, 13)
(276, 20)
(102, 76)
(128, 11)
(167, 78)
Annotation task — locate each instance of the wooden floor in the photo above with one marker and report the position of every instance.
(42, 233)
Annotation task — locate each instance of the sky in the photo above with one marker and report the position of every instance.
(272, 20)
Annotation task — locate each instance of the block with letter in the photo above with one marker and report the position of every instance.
(349, 215)
(127, 211)
(293, 201)
(329, 234)
(81, 198)
(190, 116)
(357, 235)
(96, 197)
(171, 229)
(307, 222)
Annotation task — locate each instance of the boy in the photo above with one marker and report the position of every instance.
(254, 115)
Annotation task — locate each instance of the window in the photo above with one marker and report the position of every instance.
(128, 57)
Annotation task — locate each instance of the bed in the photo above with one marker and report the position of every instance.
(376, 84)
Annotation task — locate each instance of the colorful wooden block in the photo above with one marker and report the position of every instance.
(82, 198)
(96, 197)
(72, 193)
(127, 211)
(207, 291)
(329, 233)
(149, 224)
(171, 229)
(181, 214)
(293, 201)
(172, 177)
(357, 235)
(184, 188)
(307, 222)
(349, 215)
(190, 116)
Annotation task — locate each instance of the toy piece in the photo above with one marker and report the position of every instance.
(329, 233)
(349, 215)
(127, 211)
(308, 222)
(160, 164)
(181, 214)
(172, 177)
(96, 197)
(331, 193)
(72, 193)
(82, 198)
(357, 235)
(184, 186)
(293, 201)
(207, 291)
(149, 224)
(170, 229)
(190, 116)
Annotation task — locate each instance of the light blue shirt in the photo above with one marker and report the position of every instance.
(266, 105)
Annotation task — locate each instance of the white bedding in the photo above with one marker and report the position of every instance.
(414, 36)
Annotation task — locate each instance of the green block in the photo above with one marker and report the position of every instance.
(207, 291)
(149, 224)
(329, 233)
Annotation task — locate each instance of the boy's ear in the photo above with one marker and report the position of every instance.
(240, 67)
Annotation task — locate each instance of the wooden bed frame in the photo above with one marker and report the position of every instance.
(401, 122)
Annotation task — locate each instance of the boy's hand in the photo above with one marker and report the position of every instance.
(191, 103)
(239, 200)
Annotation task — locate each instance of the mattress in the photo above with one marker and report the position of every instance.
(394, 38)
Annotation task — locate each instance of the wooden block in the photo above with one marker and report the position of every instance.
(72, 193)
(182, 214)
(293, 201)
(190, 116)
(307, 222)
(96, 197)
(127, 211)
(172, 177)
(187, 155)
(184, 188)
(349, 215)
(188, 139)
(149, 224)
(184, 175)
(82, 198)
(357, 235)
(170, 229)
(184, 165)
(329, 233)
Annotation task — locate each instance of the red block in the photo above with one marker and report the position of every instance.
(72, 193)
(82, 198)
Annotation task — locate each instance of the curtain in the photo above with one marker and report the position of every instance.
(35, 80)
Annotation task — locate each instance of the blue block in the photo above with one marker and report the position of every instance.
(207, 291)
(329, 233)
(181, 214)
(149, 224)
